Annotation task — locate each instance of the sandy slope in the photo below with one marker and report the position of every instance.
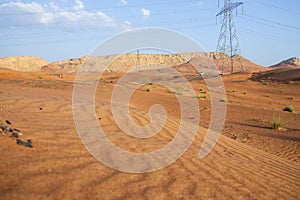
(59, 166)
(279, 74)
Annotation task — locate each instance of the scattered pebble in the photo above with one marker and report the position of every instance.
(15, 133)
(16, 130)
(25, 144)
(5, 129)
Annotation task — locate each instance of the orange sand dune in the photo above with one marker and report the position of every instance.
(258, 163)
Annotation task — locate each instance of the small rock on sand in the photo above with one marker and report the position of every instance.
(25, 144)
(16, 134)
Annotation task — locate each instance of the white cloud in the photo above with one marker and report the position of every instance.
(14, 14)
(53, 6)
(127, 26)
(146, 13)
(106, 19)
(78, 5)
(127, 22)
(123, 2)
(12, 7)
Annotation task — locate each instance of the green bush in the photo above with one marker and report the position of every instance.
(148, 89)
(277, 123)
(201, 97)
(288, 108)
(224, 100)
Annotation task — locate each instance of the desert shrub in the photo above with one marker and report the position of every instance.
(52, 85)
(288, 108)
(291, 98)
(181, 90)
(201, 97)
(277, 123)
(234, 137)
(245, 93)
(145, 80)
(224, 100)
(148, 89)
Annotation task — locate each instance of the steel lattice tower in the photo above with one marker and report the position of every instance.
(228, 43)
(138, 64)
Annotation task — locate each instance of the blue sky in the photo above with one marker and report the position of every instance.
(268, 30)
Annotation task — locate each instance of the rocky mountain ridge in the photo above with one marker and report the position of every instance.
(291, 62)
(126, 62)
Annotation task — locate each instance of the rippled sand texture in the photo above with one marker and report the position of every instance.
(258, 163)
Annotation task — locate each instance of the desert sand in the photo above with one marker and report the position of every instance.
(250, 161)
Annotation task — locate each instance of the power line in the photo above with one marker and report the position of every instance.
(120, 17)
(273, 22)
(268, 24)
(96, 37)
(266, 35)
(277, 7)
(97, 29)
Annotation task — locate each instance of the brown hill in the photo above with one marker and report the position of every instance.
(292, 62)
(118, 63)
(69, 66)
(126, 62)
(218, 59)
(279, 74)
(24, 63)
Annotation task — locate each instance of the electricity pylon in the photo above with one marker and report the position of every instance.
(138, 64)
(228, 43)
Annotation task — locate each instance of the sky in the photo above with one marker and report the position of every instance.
(268, 30)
